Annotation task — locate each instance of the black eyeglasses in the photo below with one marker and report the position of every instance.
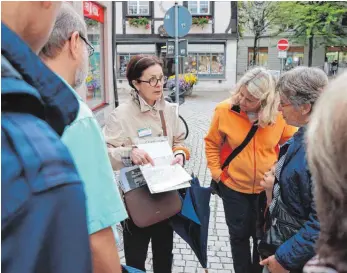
(90, 48)
(154, 81)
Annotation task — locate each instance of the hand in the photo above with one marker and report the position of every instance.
(268, 181)
(140, 157)
(273, 266)
(179, 159)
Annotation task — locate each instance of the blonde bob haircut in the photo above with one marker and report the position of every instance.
(262, 85)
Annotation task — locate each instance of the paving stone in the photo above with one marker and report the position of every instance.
(190, 269)
(228, 266)
(221, 254)
(189, 257)
(178, 269)
(225, 260)
(220, 243)
(186, 251)
(216, 266)
(191, 264)
(181, 246)
(223, 238)
(179, 262)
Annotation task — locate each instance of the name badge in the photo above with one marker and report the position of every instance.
(144, 132)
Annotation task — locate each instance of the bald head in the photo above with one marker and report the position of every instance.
(32, 21)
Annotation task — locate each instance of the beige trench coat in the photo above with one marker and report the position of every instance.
(124, 123)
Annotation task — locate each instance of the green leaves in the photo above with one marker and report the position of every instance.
(200, 21)
(139, 21)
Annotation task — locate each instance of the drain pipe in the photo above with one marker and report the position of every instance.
(114, 72)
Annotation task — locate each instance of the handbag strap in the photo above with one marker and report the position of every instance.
(163, 123)
(239, 148)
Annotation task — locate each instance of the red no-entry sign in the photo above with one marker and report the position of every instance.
(283, 44)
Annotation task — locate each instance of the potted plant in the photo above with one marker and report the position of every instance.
(201, 21)
(139, 22)
(186, 83)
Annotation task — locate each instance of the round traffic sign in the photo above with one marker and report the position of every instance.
(283, 44)
(184, 21)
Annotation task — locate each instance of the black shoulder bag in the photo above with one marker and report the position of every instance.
(234, 153)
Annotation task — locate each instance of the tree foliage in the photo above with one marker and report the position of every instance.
(314, 22)
(260, 18)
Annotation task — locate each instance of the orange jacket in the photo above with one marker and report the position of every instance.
(228, 129)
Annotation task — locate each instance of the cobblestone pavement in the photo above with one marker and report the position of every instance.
(197, 111)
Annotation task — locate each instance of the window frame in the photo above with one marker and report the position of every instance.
(210, 75)
(210, 8)
(260, 50)
(150, 8)
(103, 51)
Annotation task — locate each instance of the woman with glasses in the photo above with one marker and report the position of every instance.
(292, 193)
(140, 118)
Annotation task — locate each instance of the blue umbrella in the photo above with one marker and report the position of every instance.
(193, 221)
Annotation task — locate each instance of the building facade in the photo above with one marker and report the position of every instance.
(297, 55)
(99, 89)
(212, 48)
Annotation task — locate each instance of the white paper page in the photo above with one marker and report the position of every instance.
(160, 178)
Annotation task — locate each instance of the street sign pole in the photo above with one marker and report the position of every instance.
(176, 55)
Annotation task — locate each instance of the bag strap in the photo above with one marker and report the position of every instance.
(163, 123)
(239, 148)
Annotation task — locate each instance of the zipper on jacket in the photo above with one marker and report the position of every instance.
(255, 164)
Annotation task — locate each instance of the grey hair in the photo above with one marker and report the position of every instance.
(67, 22)
(302, 85)
(326, 138)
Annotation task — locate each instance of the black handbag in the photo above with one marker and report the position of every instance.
(234, 153)
(281, 226)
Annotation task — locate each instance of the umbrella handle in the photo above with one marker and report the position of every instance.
(206, 270)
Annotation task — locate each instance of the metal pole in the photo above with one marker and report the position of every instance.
(176, 54)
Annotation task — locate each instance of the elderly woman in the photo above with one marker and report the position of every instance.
(299, 90)
(254, 101)
(327, 157)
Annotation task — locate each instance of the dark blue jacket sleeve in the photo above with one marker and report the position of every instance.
(296, 251)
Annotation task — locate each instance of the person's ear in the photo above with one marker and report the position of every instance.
(75, 45)
(306, 108)
(136, 84)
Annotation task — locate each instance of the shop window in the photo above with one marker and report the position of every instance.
(261, 58)
(205, 65)
(122, 62)
(138, 8)
(199, 7)
(94, 18)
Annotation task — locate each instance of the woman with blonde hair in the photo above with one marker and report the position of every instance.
(254, 103)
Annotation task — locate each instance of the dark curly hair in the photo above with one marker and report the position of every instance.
(138, 64)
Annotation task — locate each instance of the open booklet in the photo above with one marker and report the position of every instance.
(162, 176)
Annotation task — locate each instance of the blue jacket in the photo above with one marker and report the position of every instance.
(43, 215)
(297, 193)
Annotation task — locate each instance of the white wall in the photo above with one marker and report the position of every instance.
(119, 17)
(222, 11)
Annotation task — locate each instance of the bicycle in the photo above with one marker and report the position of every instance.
(172, 99)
